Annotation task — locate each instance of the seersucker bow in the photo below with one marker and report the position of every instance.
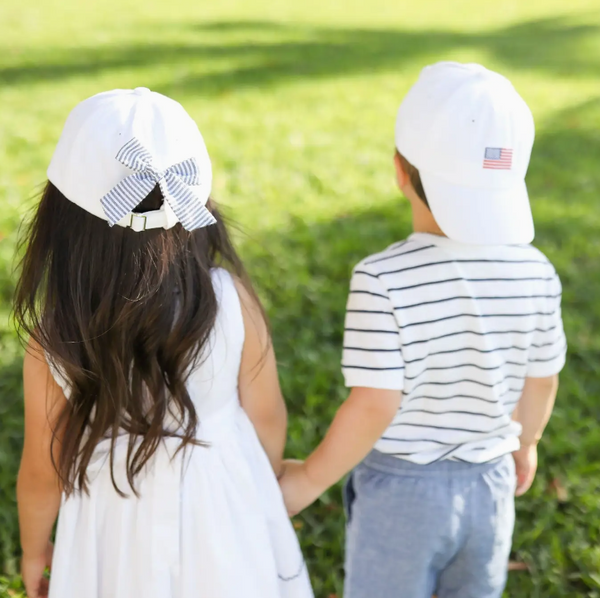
(175, 184)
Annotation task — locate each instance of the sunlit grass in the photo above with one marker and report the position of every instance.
(296, 101)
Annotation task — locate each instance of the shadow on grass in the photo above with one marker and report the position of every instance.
(11, 413)
(303, 273)
(11, 441)
(270, 53)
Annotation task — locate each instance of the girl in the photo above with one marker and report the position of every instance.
(153, 415)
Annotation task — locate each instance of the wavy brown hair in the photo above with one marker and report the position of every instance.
(124, 316)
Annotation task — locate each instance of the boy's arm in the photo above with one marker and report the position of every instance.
(546, 358)
(532, 412)
(535, 407)
(357, 426)
(260, 393)
(373, 368)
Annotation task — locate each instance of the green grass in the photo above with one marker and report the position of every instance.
(297, 101)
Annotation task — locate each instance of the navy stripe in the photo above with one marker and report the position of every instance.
(509, 348)
(434, 282)
(363, 367)
(448, 428)
(400, 454)
(372, 350)
(465, 365)
(453, 444)
(467, 297)
(368, 293)
(390, 248)
(368, 311)
(540, 313)
(446, 455)
(435, 338)
(469, 381)
(371, 331)
(559, 354)
(410, 399)
(387, 438)
(389, 257)
(445, 262)
(454, 412)
(366, 273)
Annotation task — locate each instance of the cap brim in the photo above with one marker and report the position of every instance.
(480, 216)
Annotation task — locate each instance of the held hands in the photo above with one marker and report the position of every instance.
(32, 572)
(526, 466)
(299, 491)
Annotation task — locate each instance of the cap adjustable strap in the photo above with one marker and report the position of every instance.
(145, 221)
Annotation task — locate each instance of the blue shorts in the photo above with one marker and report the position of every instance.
(415, 530)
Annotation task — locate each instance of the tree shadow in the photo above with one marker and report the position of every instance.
(271, 53)
(303, 273)
(11, 442)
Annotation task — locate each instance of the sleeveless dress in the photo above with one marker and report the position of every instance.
(209, 522)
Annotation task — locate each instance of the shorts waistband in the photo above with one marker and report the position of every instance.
(395, 466)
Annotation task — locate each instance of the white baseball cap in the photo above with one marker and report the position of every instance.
(470, 134)
(118, 145)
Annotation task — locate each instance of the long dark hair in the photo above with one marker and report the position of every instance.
(124, 316)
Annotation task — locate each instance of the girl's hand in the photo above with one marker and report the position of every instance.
(298, 489)
(526, 466)
(32, 572)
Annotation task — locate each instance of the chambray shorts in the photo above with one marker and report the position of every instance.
(415, 530)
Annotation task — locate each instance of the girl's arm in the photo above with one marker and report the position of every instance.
(357, 426)
(38, 487)
(260, 393)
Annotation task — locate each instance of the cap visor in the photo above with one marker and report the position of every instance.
(479, 216)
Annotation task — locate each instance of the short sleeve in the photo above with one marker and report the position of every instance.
(548, 351)
(372, 355)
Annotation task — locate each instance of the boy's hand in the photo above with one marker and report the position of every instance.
(526, 466)
(297, 488)
(32, 572)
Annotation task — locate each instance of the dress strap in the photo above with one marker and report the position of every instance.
(58, 375)
(230, 304)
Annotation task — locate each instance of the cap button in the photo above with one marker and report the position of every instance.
(140, 91)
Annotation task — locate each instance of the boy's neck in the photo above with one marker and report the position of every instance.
(423, 220)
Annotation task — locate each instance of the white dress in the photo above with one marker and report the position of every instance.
(209, 523)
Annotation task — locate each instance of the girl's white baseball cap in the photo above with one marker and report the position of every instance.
(470, 134)
(118, 145)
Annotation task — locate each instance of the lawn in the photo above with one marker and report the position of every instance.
(297, 101)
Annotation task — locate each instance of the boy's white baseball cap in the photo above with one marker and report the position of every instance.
(470, 134)
(118, 145)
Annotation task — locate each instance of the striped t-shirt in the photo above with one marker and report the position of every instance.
(456, 328)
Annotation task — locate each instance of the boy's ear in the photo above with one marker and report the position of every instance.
(402, 177)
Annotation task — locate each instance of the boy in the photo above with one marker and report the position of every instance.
(452, 348)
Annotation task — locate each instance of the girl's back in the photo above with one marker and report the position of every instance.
(161, 432)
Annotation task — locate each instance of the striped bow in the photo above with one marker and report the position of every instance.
(174, 184)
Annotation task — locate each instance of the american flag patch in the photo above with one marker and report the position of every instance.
(497, 158)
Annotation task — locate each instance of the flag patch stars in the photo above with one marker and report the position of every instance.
(497, 158)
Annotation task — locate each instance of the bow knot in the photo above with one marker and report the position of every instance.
(175, 184)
